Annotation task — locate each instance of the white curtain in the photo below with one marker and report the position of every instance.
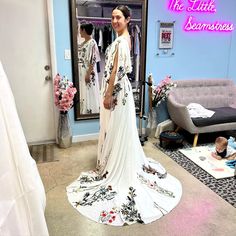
(22, 196)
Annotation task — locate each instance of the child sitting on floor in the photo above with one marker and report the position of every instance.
(222, 150)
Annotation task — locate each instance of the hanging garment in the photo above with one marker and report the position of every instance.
(126, 187)
(22, 196)
(88, 54)
(137, 51)
(100, 41)
(96, 35)
(107, 37)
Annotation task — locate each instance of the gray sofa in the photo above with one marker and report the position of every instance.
(215, 94)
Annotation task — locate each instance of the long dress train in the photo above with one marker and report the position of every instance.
(126, 187)
(22, 196)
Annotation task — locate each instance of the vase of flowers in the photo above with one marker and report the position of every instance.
(161, 91)
(158, 97)
(64, 93)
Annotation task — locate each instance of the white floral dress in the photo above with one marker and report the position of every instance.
(88, 54)
(126, 187)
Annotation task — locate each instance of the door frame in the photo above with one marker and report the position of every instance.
(52, 56)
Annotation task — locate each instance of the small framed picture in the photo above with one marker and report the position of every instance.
(166, 35)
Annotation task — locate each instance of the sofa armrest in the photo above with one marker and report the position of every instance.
(180, 115)
(233, 104)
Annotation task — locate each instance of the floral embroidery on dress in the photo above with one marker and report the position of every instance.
(100, 195)
(105, 75)
(120, 73)
(122, 69)
(124, 99)
(110, 68)
(92, 80)
(117, 89)
(82, 56)
(89, 179)
(108, 217)
(154, 185)
(93, 59)
(148, 169)
(106, 53)
(128, 210)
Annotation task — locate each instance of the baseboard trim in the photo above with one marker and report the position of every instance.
(88, 137)
(85, 137)
(41, 142)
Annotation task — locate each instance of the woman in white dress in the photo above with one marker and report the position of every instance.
(88, 56)
(126, 187)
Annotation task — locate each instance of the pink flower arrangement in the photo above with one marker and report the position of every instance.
(160, 93)
(64, 93)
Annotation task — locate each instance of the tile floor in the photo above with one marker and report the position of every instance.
(200, 212)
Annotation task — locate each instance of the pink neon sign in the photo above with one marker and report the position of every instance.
(191, 25)
(198, 6)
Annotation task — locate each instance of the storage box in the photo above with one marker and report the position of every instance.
(94, 11)
(136, 13)
(82, 11)
(106, 12)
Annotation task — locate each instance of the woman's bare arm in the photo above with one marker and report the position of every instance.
(88, 74)
(113, 75)
(108, 95)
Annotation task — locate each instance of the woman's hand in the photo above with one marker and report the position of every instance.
(109, 102)
(87, 78)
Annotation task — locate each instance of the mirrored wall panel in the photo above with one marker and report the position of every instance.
(89, 47)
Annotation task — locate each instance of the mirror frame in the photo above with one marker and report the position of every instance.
(74, 56)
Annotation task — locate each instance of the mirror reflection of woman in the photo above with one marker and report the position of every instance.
(126, 187)
(88, 56)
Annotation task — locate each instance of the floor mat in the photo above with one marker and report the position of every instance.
(43, 153)
(225, 188)
(201, 156)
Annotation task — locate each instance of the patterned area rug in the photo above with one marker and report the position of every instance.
(225, 188)
(43, 153)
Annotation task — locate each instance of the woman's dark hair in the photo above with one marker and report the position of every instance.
(124, 9)
(87, 26)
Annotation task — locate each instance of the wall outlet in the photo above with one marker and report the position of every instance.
(67, 54)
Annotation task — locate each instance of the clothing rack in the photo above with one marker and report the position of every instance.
(103, 20)
(91, 18)
(142, 137)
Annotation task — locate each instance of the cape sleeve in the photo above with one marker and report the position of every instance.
(95, 55)
(124, 63)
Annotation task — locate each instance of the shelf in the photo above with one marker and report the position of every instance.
(101, 18)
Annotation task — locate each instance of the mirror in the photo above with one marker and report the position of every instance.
(89, 46)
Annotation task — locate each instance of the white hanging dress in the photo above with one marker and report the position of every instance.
(126, 187)
(22, 196)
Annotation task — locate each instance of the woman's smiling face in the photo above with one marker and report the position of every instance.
(118, 21)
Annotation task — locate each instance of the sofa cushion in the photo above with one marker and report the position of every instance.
(221, 115)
